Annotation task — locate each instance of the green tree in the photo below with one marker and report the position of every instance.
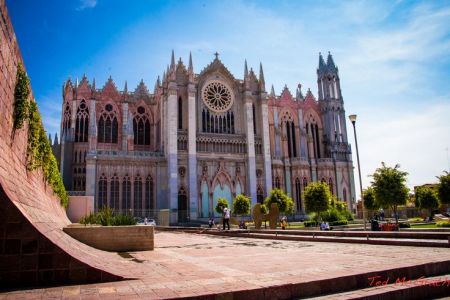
(444, 187)
(426, 198)
(284, 202)
(317, 197)
(241, 205)
(221, 204)
(370, 202)
(389, 185)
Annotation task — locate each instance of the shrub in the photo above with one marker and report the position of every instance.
(221, 204)
(404, 225)
(123, 219)
(331, 215)
(338, 223)
(241, 205)
(107, 217)
(21, 94)
(443, 224)
(39, 151)
(310, 223)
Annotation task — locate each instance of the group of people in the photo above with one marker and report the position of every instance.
(324, 226)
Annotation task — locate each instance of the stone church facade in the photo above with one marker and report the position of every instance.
(199, 137)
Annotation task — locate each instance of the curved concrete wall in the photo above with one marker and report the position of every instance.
(33, 247)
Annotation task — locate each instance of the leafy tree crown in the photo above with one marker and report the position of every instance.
(284, 202)
(221, 204)
(317, 197)
(241, 205)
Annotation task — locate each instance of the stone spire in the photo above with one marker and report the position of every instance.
(322, 66)
(190, 69)
(172, 60)
(272, 92)
(330, 63)
(245, 70)
(55, 141)
(262, 83)
(93, 85)
(50, 139)
(125, 89)
(157, 84)
(76, 83)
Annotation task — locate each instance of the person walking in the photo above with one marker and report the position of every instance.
(226, 218)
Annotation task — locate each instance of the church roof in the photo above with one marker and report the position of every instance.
(217, 65)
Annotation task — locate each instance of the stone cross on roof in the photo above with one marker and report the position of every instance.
(216, 55)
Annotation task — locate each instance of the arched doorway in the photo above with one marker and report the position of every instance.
(222, 192)
(205, 200)
(182, 206)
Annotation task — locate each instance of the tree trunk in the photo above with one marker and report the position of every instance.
(395, 215)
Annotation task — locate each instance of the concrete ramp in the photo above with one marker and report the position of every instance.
(33, 248)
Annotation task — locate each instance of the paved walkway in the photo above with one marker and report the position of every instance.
(185, 264)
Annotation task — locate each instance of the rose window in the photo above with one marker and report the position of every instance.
(217, 96)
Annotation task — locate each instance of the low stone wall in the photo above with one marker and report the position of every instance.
(114, 238)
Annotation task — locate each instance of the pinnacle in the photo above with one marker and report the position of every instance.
(172, 60)
(245, 69)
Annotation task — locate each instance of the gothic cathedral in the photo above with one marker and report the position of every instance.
(199, 137)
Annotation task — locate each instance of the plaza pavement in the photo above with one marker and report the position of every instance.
(191, 265)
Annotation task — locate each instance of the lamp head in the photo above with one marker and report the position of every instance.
(352, 118)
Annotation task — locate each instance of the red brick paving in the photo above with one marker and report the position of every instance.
(189, 265)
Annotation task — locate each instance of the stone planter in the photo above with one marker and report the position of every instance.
(114, 238)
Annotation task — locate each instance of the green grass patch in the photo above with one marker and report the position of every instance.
(423, 226)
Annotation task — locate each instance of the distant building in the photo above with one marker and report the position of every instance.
(199, 137)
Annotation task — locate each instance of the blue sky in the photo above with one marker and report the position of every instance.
(393, 58)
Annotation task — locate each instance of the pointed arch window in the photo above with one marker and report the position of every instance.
(277, 182)
(137, 203)
(149, 198)
(305, 183)
(82, 123)
(344, 194)
(254, 118)
(141, 127)
(222, 123)
(126, 193)
(180, 113)
(66, 120)
(102, 192)
(108, 125)
(114, 193)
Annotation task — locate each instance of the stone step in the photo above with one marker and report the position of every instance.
(421, 288)
(333, 239)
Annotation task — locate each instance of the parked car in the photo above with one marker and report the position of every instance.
(141, 221)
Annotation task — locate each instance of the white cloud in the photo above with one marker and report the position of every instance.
(87, 4)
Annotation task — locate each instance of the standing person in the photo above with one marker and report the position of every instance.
(226, 218)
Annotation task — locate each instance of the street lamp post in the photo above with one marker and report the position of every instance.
(353, 120)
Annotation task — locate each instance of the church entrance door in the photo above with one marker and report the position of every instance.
(182, 207)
